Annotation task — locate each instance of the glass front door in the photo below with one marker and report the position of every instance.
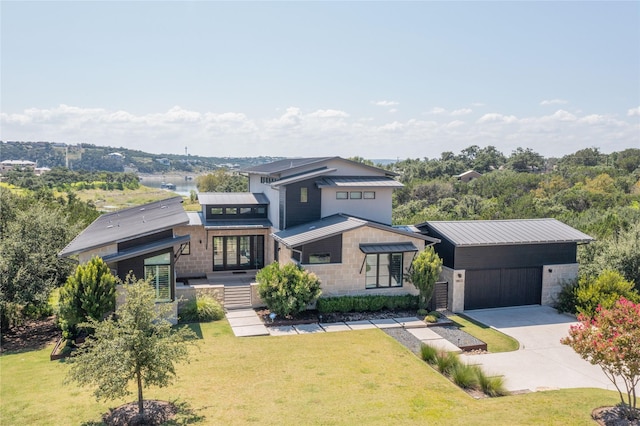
(238, 252)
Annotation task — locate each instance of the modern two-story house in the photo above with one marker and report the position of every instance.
(329, 214)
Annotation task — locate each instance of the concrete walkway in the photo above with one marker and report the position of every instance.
(245, 323)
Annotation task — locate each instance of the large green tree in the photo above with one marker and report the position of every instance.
(138, 344)
(424, 272)
(222, 181)
(89, 293)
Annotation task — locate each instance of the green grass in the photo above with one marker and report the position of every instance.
(496, 341)
(119, 199)
(355, 377)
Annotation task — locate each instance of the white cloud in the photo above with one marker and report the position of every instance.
(553, 102)
(634, 111)
(437, 110)
(462, 111)
(385, 103)
(393, 110)
(296, 132)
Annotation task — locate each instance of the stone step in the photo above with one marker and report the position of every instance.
(237, 297)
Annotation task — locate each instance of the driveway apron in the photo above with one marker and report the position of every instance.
(542, 362)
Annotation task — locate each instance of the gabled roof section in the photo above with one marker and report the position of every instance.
(293, 166)
(127, 224)
(334, 225)
(285, 165)
(358, 181)
(466, 233)
(302, 176)
(232, 198)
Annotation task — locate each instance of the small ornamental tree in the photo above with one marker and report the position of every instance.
(137, 344)
(611, 340)
(288, 289)
(89, 293)
(424, 272)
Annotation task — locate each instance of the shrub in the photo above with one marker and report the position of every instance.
(465, 376)
(371, 303)
(203, 308)
(446, 362)
(428, 353)
(491, 385)
(425, 270)
(566, 299)
(432, 319)
(90, 293)
(423, 312)
(288, 289)
(603, 291)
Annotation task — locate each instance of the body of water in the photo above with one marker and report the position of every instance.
(183, 186)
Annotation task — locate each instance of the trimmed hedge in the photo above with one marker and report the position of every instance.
(371, 303)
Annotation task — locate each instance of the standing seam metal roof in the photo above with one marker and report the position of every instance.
(232, 198)
(128, 224)
(506, 232)
(358, 181)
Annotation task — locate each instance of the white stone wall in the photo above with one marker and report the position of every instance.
(553, 279)
(455, 278)
(346, 279)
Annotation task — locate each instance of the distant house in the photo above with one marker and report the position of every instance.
(116, 156)
(9, 165)
(468, 176)
(164, 161)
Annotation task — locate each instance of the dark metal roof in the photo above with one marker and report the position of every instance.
(285, 165)
(291, 164)
(387, 248)
(334, 225)
(196, 219)
(358, 181)
(232, 198)
(505, 232)
(302, 176)
(127, 224)
(147, 248)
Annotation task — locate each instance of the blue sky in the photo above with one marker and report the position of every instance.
(374, 79)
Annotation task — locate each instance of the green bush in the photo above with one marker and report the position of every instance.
(566, 299)
(288, 289)
(203, 309)
(371, 303)
(432, 319)
(605, 291)
(90, 293)
(491, 385)
(428, 353)
(423, 312)
(465, 376)
(446, 362)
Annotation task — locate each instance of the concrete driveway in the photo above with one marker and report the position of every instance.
(541, 363)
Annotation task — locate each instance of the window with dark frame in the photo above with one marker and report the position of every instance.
(304, 194)
(355, 195)
(157, 270)
(216, 210)
(383, 270)
(320, 258)
(369, 195)
(342, 195)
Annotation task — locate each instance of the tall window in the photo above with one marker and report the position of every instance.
(157, 270)
(304, 194)
(384, 270)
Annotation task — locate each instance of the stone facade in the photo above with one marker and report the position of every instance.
(199, 262)
(346, 279)
(553, 279)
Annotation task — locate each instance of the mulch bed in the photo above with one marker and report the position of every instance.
(612, 416)
(155, 413)
(313, 316)
(32, 335)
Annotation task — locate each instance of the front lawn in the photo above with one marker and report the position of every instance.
(339, 378)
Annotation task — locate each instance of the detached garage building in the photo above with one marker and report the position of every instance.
(499, 263)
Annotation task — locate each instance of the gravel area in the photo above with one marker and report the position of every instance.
(407, 339)
(456, 336)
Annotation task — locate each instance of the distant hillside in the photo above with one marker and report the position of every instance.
(100, 158)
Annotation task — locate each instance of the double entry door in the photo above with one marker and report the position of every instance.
(234, 252)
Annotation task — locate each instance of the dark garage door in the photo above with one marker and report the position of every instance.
(497, 288)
